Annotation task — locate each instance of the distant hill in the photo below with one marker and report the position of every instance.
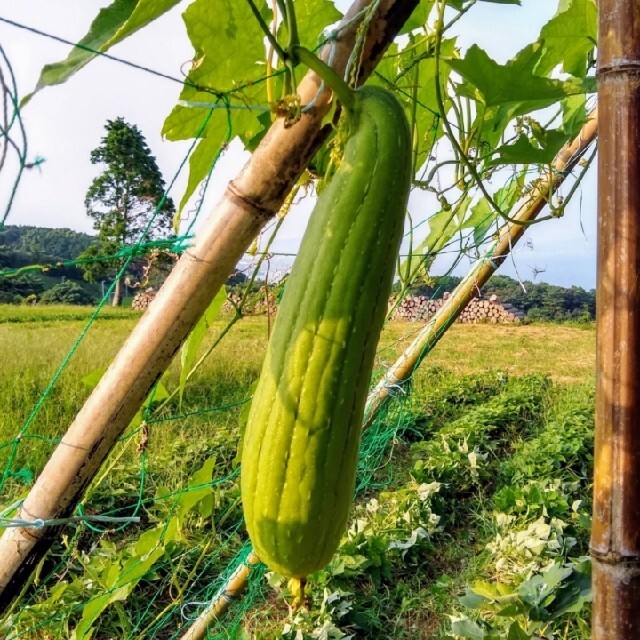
(27, 246)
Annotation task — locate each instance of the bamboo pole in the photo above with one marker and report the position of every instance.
(429, 336)
(483, 269)
(232, 590)
(249, 202)
(615, 536)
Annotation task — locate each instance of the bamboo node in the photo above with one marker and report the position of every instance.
(621, 66)
(614, 557)
(248, 204)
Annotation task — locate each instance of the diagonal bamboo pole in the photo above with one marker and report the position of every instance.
(427, 339)
(615, 535)
(483, 269)
(232, 590)
(249, 202)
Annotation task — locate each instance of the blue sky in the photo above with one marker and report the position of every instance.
(64, 123)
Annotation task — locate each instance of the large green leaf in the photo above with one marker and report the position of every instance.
(468, 629)
(228, 70)
(482, 213)
(312, 16)
(201, 160)
(229, 53)
(146, 11)
(112, 24)
(108, 21)
(523, 151)
(569, 37)
(517, 633)
(419, 16)
(512, 83)
(574, 114)
(119, 580)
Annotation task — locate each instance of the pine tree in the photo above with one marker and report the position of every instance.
(126, 199)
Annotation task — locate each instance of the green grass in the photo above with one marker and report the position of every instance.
(17, 314)
(519, 398)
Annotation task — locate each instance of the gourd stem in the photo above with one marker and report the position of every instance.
(345, 93)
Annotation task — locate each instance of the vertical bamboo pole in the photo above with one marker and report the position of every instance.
(615, 538)
(249, 202)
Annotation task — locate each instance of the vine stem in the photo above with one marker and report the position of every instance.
(345, 93)
(267, 32)
(450, 134)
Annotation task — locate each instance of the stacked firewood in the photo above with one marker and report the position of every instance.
(256, 306)
(479, 310)
(142, 299)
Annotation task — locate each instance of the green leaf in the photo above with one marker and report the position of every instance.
(535, 590)
(201, 161)
(157, 394)
(472, 600)
(146, 11)
(312, 16)
(229, 50)
(120, 581)
(524, 152)
(574, 114)
(108, 21)
(419, 17)
(192, 343)
(199, 488)
(511, 83)
(229, 61)
(486, 589)
(442, 227)
(112, 25)
(569, 37)
(517, 633)
(468, 629)
(576, 592)
(91, 379)
(397, 71)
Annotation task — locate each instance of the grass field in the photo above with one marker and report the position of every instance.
(498, 428)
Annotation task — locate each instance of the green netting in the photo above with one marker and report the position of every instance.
(147, 551)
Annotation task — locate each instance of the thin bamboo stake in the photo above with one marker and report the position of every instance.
(483, 269)
(230, 592)
(615, 535)
(249, 202)
(429, 336)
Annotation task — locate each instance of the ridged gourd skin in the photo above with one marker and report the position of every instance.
(303, 432)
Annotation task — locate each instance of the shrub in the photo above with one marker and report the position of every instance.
(67, 293)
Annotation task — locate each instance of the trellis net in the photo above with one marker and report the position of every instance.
(169, 539)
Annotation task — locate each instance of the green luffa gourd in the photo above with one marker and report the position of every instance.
(301, 442)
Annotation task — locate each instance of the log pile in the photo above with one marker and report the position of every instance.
(413, 308)
(479, 310)
(142, 299)
(256, 306)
